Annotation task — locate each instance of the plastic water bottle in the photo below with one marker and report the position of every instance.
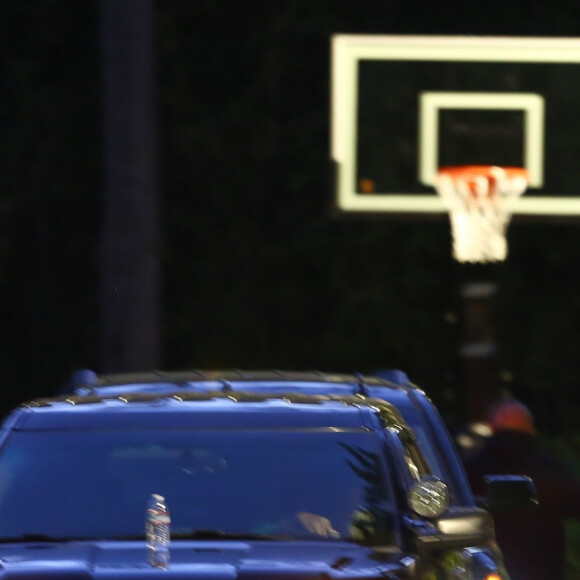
(157, 532)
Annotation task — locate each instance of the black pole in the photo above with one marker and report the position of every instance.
(129, 237)
(478, 349)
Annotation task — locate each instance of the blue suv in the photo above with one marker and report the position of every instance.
(265, 474)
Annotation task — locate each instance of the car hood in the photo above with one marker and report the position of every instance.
(215, 560)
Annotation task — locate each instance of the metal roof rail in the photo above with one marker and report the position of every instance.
(362, 388)
(226, 386)
(84, 381)
(394, 376)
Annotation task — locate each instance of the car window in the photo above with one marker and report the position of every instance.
(96, 483)
(430, 451)
(415, 461)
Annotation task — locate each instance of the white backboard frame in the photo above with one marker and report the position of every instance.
(348, 50)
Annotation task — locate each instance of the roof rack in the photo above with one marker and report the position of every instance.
(388, 412)
(86, 382)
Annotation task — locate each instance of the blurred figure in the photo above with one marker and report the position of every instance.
(533, 542)
(317, 524)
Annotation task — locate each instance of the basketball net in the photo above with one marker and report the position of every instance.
(480, 201)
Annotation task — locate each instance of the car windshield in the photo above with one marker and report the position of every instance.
(317, 484)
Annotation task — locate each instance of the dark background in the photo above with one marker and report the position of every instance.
(256, 268)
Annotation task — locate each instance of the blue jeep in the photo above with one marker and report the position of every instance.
(266, 475)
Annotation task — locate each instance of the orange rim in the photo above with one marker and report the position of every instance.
(490, 171)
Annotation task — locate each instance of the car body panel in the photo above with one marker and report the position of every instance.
(410, 433)
(205, 560)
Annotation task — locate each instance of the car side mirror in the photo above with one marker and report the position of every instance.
(457, 528)
(441, 526)
(428, 497)
(509, 493)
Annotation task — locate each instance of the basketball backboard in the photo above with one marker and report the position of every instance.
(402, 106)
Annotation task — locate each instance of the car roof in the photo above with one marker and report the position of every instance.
(392, 385)
(409, 408)
(88, 378)
(216, 409)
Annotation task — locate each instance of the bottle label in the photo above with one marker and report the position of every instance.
(160, 519)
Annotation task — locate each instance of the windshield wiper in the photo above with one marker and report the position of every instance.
(214, 534)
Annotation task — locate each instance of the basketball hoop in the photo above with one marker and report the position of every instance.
(480, 199)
